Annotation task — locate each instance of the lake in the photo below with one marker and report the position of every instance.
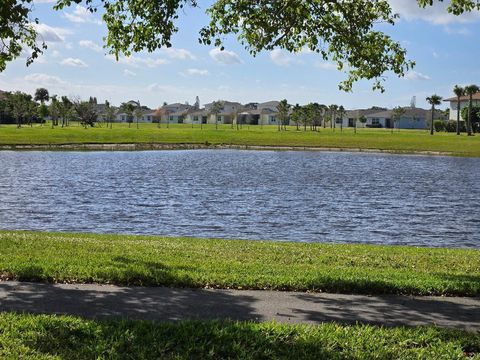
(262, 195)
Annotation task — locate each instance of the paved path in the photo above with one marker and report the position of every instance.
(167, 304)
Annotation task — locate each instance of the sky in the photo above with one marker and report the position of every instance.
(444, 47)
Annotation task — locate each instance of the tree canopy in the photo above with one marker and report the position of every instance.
(341, 31)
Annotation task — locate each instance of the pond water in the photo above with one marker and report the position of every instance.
(261, 195)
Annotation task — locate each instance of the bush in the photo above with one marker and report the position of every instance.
(451, 126)
(373, 125)
(439, 125)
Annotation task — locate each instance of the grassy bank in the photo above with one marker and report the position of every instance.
(186, 262)
(381, 139)
(62, 337)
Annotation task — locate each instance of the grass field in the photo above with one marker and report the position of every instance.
(382, 139)
(64, 337)
(187, 262)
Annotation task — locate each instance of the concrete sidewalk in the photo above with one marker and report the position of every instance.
(167, 304)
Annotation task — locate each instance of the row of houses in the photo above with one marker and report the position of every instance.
(267, 114)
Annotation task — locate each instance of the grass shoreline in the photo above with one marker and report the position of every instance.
(194, 146)
(183, 135)
(68, 337)
(238, 264)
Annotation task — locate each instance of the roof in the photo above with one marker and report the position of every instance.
(409, 112)
(361, 112)
(465, 97)
(198, 112)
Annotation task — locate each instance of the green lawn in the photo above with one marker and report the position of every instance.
(189, 262)
(65, 337)
(403, 141)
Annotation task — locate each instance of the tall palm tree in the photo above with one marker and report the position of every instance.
(433, 100)
(333, 113)
(459, 92)
(470, 90)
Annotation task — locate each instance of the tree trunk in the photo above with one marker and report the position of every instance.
(431, 121)
(458, 115)
(355, 126)
(469, 122)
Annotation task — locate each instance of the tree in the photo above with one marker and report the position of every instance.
(333, 112)
(109, 113)
(21, 106)
(65, 109)
(216, 108)
(397, 113)
(296, 115)
(344, 32)
(459, 92)
(341, 113)
(138, 113)
(86, 112)
(54, 110)
(433, 100)
(128, 109)
(283, 109)
(470, 90)
(41, 94)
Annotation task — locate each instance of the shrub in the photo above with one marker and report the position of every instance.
(451, 126)
(439, 125)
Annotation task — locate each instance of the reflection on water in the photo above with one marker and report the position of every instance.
(299, 196)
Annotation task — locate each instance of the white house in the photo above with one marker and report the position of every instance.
(463, 104)
(227, 115)
(413, 118)
(196, 117)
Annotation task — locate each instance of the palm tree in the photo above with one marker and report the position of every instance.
(470, 90)
(459, 92)
(341, 113)
(433, 100)
(333, 112)
(41, 94)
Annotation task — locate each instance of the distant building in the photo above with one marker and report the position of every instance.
(463, 103)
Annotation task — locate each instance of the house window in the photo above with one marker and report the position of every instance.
(219, 118)
(171, 118)
(273, 119)
(195, 118)
(338, 120)
(124, 118)
(149, 118)
(375, 121)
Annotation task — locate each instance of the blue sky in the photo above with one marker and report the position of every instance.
(444, 47)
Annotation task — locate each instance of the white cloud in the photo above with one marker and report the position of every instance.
(193, 72)
(50, 34)
(90, 45)
(44, 80)
(44, 1)
(436, 14)
(180, 54)
(325, 65)
(136, 61)
(457, 30)
(414, 75)
(281, 58)
(127, 72)
(225, 57)
(73, 62)
(435, 55)
(82, 15)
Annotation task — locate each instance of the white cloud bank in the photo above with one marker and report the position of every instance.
(82, 15)
(195, 72)
(225, 57)
(414, 75)
(90, 45)
(73, 62)
(436, 14)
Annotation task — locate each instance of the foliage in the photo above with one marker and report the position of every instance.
(362, 119)
(283, 109)
(189, 262)
(86, 112)
(475, 115)
(66, 337)
(345, 33)
(21, 107)
(128, 109)
(451, 126)
(439, 125)
(397, 113)
(41, 94)
(17, 32)
(433, 100)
